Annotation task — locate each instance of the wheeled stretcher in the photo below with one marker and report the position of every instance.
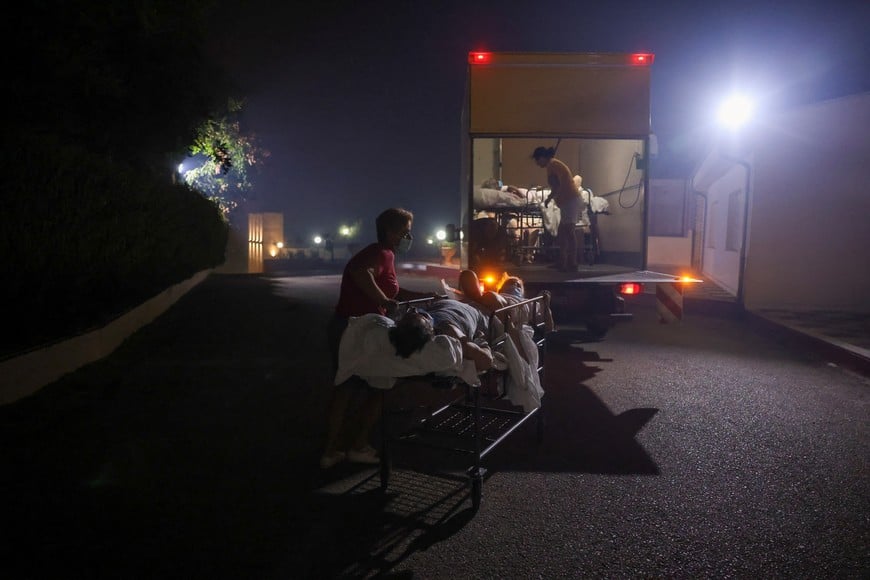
(477, 417)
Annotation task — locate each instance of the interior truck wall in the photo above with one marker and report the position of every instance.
(520, 169)
(486, 160)
(809, 235)
(606, 166)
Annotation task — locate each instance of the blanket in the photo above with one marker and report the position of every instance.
(523, 382)
(485, 197)
(366, 351)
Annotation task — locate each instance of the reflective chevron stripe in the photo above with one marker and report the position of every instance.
(669, 302)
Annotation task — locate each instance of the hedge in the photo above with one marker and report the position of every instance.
(84, 238)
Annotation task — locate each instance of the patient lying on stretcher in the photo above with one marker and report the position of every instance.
(446, 338)
(510, 290)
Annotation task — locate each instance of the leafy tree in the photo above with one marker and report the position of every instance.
(225, 176)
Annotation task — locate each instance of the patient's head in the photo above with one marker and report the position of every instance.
(470, 285)
(512, 285)
(411, 333)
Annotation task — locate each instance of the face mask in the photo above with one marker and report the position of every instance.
(512, 288)
(404, 245)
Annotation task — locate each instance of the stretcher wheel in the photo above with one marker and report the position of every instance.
(476, 492)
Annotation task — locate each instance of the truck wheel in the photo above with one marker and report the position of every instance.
(597, 329)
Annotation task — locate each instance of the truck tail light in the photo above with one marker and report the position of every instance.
(479, 57)
(630, 288)
(642, 58)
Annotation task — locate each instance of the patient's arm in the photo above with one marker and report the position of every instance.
(480, 355)
(549, 324)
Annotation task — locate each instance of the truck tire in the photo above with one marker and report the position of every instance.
(597, 327)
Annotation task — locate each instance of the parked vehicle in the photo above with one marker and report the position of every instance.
(594, 110)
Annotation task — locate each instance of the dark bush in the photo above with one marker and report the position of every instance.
(84, 238)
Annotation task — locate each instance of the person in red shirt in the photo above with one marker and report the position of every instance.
(368, 286)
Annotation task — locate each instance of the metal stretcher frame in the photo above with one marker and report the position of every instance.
(466, 425)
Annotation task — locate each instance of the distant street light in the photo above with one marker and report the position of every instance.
(318, 240)
(441, 235)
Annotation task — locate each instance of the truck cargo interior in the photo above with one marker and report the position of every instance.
(513, 228)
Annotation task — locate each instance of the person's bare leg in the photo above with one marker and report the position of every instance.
(565, 246)
(369, 413)
(571, 257)
(341, 396)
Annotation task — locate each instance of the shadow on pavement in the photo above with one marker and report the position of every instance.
(192, 452)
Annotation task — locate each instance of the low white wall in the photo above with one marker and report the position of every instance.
(25, 374)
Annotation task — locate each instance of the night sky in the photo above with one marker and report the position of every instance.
(359, 102)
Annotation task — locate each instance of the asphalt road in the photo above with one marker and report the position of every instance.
(702, 449)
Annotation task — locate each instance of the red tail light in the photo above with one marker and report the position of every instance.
(642, 58)
(479, 57)
(630, 288)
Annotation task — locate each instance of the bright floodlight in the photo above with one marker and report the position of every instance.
(317, 239)
(441, 235)
(735, 112)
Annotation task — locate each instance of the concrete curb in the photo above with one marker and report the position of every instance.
(27, 373)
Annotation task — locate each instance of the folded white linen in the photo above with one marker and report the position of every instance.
(523, 383)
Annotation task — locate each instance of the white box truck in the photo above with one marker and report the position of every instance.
(594, 109)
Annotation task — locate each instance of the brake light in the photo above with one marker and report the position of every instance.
(630, 288)
(479, 57)
(642, 58)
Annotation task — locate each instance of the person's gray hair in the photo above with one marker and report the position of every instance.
(410, 335)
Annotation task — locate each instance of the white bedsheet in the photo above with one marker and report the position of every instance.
(366, 351)
(485, 197)
(523, 382)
